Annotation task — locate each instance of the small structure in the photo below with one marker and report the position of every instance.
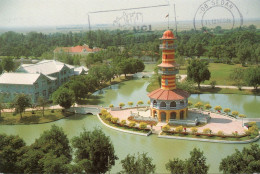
(77, 50)
(168, 102)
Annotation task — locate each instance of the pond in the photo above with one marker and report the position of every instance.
(161, 150)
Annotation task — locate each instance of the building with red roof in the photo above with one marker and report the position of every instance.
(79, 50)
(168, 102)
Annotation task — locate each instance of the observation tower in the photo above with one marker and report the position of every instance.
(168, 102)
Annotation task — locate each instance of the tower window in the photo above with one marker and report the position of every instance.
(166, 81)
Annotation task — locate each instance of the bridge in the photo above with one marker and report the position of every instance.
(250, 119)
(86, 109)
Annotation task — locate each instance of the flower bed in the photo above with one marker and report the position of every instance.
(131, 118)
(125, 127)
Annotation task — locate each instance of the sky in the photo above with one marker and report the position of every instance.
(33, 13)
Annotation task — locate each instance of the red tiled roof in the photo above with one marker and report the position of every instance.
(176, 94)
(77, 49)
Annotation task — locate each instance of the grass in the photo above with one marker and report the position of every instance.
(8, 118)
(149, 67)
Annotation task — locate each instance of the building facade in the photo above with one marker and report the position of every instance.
(168, 102)
(34, 80)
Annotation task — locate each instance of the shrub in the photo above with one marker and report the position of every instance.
(52, 111)
(235, 133)
(123, 122)
(227, 110)
(220, 133)
(33, 112)
(121, 104)
(199, 105)
(111, 106)
(194, 130)
(206, 131)
(213, 84)
(132, 124)
(148, 102)
(234, 113)
(166, 128)
(114, 119)
(253, 129)
(242, 116)
(218, 108)
(140, 102)
(108, 117)
(142, 125)
(130, 104)
(179, 129)
(208, 106)
(190, 103)
(103, 111)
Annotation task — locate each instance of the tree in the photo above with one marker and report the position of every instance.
(198, 72)
(218, 108)
(8, 64)
(190, 103)
(10, 148)
(247, 161)
(175, 166)
(79, 89)
(140, 102)
(137, 65)
(252, 77)
(42, 102)
(199, 105)
(242, 116)
(94, 151)
(64, 97)
(140, 164)
(130, 104)
(121, 105)
(21, 102)
(227, 110)
(237, 76)
(195, 164)
(49, 153)
(234, 113)
(207, 106)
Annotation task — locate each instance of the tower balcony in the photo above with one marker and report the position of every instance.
(167, 47)
(167, 72)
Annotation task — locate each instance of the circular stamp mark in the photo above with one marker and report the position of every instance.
(212, 13)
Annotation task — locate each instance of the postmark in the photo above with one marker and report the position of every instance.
(212, 13)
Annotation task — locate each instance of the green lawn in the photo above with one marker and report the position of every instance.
(149, 67)
(220, 72)
(29, 118)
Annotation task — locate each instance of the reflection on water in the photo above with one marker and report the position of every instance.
(161, 150)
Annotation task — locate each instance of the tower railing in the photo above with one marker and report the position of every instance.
(167, 47)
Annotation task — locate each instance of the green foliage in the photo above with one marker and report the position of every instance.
(10, 153)
(42, 102)
(179, 129)
(213, 84)
(123, 122)
(121, 104)
(143, 125)
(252, 77)
(206, 130)
(94, 151)
(64, 97)
(235, 113)
(130, 104)
(190, 103)
(195, 164)
(242, 116)
(21, 102)
(8, 64)
(207, 106)
(237, 76)
(220, 133)
(114, 119)
(218, 108)
(140, 102)
(186, 86)
(194, 130)
(199, 105)
(198, 71)
(140, 164)
(111, 106)
(166, 128)
(132, 124)
(247, 161)
(227, 110)
(108, 117)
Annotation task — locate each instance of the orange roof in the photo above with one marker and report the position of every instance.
(166, 65)
(176, 94)
(168, 35)
(78, 49)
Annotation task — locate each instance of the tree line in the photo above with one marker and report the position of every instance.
(93, 152)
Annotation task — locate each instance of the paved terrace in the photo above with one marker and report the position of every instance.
(218, 122)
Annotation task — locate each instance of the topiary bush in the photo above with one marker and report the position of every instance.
(108, 117)
(194, 130)
(142, 125)
(123, 122)
(179, 129)
(114, 119)
(132, 124)
(166, 128)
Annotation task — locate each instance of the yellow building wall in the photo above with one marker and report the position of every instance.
(168, 113)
